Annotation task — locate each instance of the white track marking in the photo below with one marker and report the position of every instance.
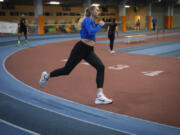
(64, 60)
(85, 63)
(152, 73)
(118, 67)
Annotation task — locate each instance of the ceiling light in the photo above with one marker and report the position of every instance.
(54, 2)
(127, 6)
(95, 4)
(1, 0)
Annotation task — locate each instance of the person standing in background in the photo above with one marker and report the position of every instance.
(154, 20)
(22, 28)
(112, 28)
(138, 24)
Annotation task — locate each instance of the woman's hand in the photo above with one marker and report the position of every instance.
(102, 23)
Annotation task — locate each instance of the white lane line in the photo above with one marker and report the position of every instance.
(17, 127)
(118, 67)
(152, 73)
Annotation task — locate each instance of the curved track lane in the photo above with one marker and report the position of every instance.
(25, 104)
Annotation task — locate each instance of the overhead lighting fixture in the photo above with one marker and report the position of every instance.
(1, 0)
(95, 4)
(54, 2)
(127, 6)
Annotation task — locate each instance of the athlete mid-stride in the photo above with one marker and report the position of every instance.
(84, 50)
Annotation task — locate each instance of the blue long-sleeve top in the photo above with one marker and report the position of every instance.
(89, 29)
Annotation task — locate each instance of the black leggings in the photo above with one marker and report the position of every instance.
(111, 36)
(79, 52)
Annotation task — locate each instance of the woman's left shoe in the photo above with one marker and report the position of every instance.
(112, 51)
(44, 78)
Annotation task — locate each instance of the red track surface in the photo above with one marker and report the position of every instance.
(134, 94)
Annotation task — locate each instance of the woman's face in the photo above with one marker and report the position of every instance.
(95, 12)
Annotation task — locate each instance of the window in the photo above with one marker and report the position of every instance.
(66, 8)
(14, 14)
(48, 14)
(7, 6)
(78, 14)
(58, 14)
(2, 14)
(104, 9)
(31, 13)
(65, 14)
(72, 14)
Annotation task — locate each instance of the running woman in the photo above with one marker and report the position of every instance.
(22, 28)
(112, 28)
(84, 50)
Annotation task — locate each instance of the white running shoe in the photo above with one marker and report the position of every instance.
(44, 78)
(112, 51)
(102, 99)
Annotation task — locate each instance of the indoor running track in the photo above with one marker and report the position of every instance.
(144, 88)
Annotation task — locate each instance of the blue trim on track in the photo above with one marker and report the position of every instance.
(140, 37)
(159, 50)
(168, 49)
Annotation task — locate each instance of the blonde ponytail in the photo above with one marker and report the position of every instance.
(87, 13)
(80, 21)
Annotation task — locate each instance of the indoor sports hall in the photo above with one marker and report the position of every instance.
(141, 66)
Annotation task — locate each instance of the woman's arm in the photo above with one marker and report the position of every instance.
(88, 24)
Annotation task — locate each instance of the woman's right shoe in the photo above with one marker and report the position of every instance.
(102, 99)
